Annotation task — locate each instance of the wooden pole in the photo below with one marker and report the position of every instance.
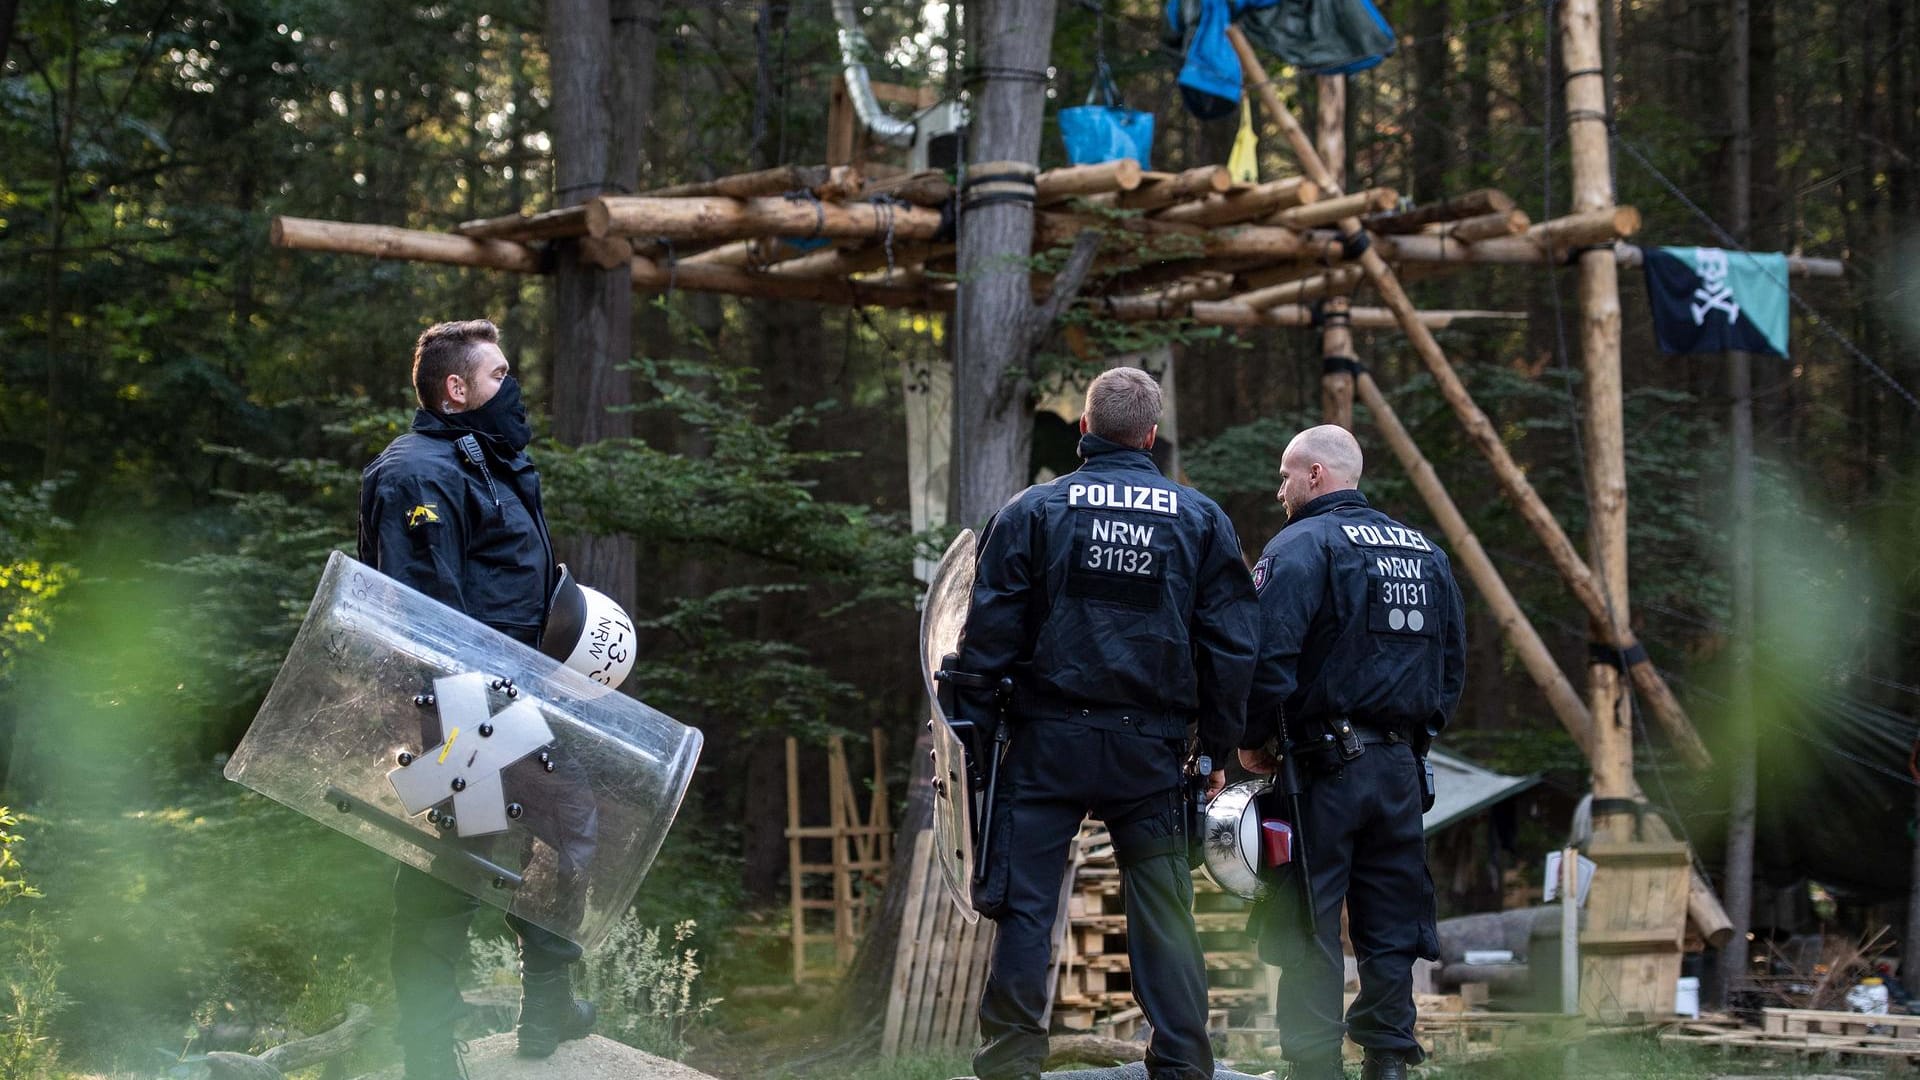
(1340, 208)
(1248, 205)
(1481, 431)
(1336, 337)
(1514, 625)
(795, 878)
(1601, 389)
(1335, 340)
(1164, 189)
(828, 181)
(1743, 795)
(1413, 219)
(392, 242)
(1548, 242)
(1230, 313)
(566, 221)
(1072, 181)
(837, 798)
(650, 276)
(1570, 930)
(1487, 226)
(718, 218)
(1709, 919)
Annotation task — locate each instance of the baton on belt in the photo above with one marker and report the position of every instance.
(1287, 780)
(983, 754)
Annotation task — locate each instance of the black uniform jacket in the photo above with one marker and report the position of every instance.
(1118, 598)
(471, 535)
(1359, 617)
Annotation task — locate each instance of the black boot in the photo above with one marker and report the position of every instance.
(1384, 1065)
(549, 1013)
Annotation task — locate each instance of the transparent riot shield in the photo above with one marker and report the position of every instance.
(457, 750)
(948, 598)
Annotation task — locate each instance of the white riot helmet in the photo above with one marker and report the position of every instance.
(589, 633)
(1231, 842)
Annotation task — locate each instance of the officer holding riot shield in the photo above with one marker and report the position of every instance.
(1362, 659)
(452, 508)
(1117, 605)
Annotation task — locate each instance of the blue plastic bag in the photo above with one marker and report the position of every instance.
(1104, 129)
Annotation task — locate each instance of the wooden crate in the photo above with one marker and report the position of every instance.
(1823, 1022)
(1636, 915)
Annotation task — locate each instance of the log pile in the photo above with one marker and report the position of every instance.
(1174, 245)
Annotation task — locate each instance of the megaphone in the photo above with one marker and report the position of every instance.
(589, 633)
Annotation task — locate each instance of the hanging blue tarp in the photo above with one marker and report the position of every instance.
(1321, 37)
(1706, 300)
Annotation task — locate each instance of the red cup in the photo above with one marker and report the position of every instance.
(1276, 837)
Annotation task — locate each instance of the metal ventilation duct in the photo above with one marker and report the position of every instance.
(887, 129)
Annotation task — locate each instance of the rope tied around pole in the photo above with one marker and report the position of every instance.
(819, 210)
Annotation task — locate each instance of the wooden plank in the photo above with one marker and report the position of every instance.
(905, 952)
(794, 873)
(842, 875)
(933, 919)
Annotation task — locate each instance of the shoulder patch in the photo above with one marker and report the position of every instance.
(1260, 572)
(423, 514)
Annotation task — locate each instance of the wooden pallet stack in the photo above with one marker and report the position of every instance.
(1813, 1036)
(1095, 988)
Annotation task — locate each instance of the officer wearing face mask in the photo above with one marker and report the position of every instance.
(452, 508)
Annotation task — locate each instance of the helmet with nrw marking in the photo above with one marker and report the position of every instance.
(588, 632)
(1230, 839)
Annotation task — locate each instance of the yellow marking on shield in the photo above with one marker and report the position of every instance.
(448, 749)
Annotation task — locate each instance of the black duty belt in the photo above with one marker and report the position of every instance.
(1154, 723)
(1343, 738)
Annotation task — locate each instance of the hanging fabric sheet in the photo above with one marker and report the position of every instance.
(1320, 37)
(1706, 300)
(1243, 162)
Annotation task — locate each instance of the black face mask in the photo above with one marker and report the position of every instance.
(502, 418)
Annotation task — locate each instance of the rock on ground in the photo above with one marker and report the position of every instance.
(591, 1058)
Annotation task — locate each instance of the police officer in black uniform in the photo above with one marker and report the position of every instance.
(1118, 603)
(452, 508)
(1362, 658)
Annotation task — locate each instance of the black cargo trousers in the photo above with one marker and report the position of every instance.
(1054, 774)
(1366, 849)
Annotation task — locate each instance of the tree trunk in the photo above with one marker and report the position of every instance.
(993, 408)
(992, 325)
(1737, 889)
(601, 57)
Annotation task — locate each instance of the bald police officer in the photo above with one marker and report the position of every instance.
(1362, 658)
(1118, 603)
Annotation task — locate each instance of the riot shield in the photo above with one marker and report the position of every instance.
(948, 598)
(457, 750)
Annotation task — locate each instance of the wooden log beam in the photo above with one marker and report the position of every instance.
(1203, 287)
(651, 276)
(1542, 243)
(521, 228)
(1249, 204)
(1339, 281)
(1164, 189)
(1629, 255)
(1229, 313)
(411, 245)
(1331, 209)
(1413, 219)
(1487, 226)
(841, 262)
(930, 188)
(1513, 480)
(1074, 181)
(1176, 240)
(721, 218)
(826, 181)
